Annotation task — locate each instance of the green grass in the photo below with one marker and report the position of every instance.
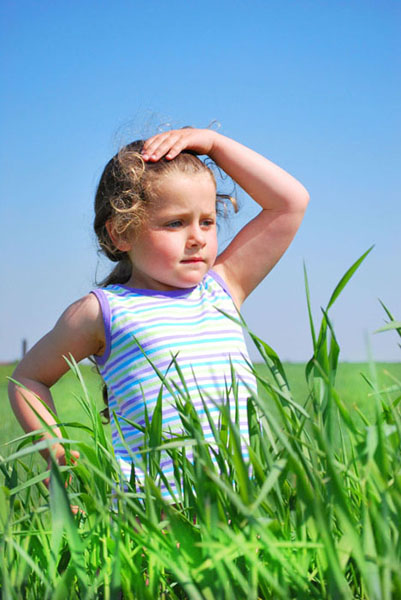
(350, 381)
(313, 515)
(351, 386)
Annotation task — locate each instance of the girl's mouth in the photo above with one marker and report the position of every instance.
(192, 260)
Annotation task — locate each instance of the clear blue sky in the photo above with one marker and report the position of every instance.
(313, 85)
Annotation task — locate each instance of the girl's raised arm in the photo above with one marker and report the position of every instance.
(262, 242)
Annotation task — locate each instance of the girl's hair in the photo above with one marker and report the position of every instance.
(127, 185)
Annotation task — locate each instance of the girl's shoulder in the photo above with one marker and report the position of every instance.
(218, 276)
(82, 312)
(78, 332)
(215, 278)
(82, 322)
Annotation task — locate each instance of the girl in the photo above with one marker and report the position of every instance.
(164, 310)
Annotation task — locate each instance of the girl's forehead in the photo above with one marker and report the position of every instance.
(176, 182)
(181, 189)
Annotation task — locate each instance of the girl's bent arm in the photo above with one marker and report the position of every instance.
(79, 332)
(262, 242)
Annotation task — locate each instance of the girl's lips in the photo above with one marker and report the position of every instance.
(190, 260)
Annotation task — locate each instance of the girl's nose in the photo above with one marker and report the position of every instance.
(196, 237)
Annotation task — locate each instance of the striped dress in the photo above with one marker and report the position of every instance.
(144, 330)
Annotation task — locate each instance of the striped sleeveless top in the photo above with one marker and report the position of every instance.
(144, 330)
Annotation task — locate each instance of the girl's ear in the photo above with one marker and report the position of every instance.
(119, 240)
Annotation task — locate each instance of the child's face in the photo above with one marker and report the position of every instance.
(177, 244)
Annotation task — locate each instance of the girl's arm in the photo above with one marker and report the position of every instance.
(262, 242)
(79, 332)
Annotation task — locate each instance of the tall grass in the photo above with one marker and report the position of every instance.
(314, 512)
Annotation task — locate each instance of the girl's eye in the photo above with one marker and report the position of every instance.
(208, 222)
(174, 224)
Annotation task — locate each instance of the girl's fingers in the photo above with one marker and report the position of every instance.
(152, 144)
(74, 455)
(75, 510)
(168, 145)
(171, 143)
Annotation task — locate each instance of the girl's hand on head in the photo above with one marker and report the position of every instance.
(170, 143)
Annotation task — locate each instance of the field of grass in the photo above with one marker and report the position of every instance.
(312, 514)
(351, 386)
(318, 519)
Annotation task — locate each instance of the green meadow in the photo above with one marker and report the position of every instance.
(351, 385)
(312, 513)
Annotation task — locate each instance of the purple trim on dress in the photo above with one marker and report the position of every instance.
(175, 293)
(105, 308)
(221, 282)
(163, 293)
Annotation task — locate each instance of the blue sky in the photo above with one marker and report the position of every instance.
(313, 85)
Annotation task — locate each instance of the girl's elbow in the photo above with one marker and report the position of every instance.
(17, 376)
(15, 382)
(302, 200)
(304, 196)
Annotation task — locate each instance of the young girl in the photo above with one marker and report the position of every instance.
(164, 310)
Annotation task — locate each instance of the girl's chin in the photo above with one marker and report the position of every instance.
(190, 281)
(190, 277)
